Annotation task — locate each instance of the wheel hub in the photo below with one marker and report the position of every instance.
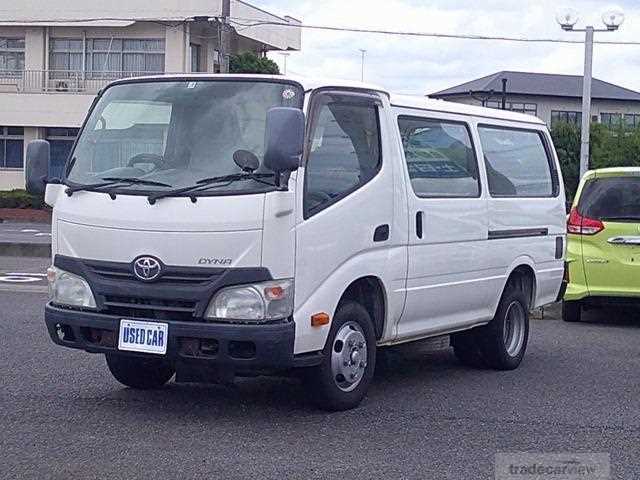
(514, 328)
(349, 356)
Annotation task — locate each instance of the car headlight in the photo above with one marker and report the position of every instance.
(66, 288)
(256, 302)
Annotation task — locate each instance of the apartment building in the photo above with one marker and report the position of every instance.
(56, 55)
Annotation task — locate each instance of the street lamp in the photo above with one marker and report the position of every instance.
(567, 19)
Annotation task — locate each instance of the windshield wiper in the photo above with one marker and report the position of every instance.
(111, 181)
(206, 183)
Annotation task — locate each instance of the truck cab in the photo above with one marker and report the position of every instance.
(208, 226)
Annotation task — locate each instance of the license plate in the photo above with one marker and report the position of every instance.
(146, 337)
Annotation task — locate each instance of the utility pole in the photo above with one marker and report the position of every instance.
(586, 101)
(225, 36)
(362, 70)
(285, 55)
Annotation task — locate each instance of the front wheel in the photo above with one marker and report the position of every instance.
(503, 341)
(140, 373)
(341, 381)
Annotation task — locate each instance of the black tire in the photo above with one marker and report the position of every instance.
(138, 372)
(466, 350)
(571, 311)
(491, 337)
(321, 381)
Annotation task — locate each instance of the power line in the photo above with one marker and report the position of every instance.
(402, 33)
(426, 34)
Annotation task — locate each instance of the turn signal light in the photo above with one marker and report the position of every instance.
(319, 319)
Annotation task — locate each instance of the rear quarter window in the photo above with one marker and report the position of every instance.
(518, 162)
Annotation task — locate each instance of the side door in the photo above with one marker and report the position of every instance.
(347, 227)
(446, 284)
(527, 216)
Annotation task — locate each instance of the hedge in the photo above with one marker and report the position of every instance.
(20, 199)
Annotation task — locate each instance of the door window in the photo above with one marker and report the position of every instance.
(517, 163)
(344, 151)
(440, 158)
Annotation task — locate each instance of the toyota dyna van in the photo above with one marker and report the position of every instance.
(212, 226)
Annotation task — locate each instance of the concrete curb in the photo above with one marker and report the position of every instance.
(10, 249)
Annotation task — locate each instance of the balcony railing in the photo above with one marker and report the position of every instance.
(60, 81)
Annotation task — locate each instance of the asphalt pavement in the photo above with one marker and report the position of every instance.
(426, 416)
(18, 232)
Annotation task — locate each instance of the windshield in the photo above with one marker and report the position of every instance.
(172, 134)
(611, 198)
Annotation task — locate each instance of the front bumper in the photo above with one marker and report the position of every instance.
(237, 348)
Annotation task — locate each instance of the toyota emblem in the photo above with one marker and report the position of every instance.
(147, 268)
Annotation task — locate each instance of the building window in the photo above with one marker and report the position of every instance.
(611, 119)
(632, 120)
(61, 141)
(572, 118)
(528, 108)
(11, 147)
(196, 58)
(11, 56)
(106, 56)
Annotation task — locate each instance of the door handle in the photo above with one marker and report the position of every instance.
(381, 233)
(419, 216)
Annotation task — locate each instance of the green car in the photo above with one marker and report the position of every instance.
(603, 246)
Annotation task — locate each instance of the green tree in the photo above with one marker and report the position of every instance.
(610, 147)
(566, 139)
(249, 62)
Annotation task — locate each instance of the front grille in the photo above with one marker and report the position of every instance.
(176, 275)
(127, 306)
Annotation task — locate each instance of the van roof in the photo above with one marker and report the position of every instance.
(437, 105)
(406, 101)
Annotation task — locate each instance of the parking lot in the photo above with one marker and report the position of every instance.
(426, 416)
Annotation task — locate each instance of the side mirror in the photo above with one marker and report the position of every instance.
(37, 166)
(284, 139)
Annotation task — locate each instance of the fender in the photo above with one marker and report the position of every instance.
(326, 299)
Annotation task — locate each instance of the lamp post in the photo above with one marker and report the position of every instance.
(567, 19)
(362, 69)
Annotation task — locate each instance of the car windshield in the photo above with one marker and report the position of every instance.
(172, 134)
(612, 198)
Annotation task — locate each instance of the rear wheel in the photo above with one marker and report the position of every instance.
(341, 381)
(571, 311)
(140, 373)
(503, 342)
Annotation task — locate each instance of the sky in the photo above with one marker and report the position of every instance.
(425, 65)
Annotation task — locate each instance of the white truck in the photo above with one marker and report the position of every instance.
(208, 226)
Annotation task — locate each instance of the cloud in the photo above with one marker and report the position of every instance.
(423, 65)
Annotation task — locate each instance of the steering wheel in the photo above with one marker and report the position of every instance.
(153, 158)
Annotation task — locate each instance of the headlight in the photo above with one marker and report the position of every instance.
(66, 288)
(256, 302)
